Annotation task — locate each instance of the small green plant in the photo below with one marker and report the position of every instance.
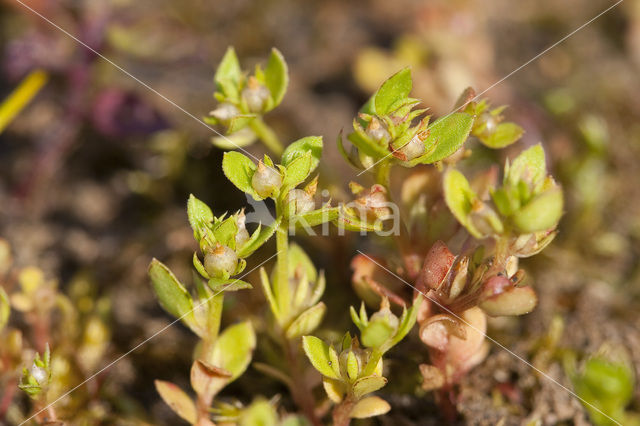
(490, 224)
(243, 99)
(50, 342)
(605, 382)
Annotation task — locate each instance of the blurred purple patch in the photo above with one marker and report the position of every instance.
(118, 114)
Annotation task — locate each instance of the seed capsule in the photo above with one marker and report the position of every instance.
(225, 112)
(377, 131)
(40, 374)
(221, 261)
(490, 123)
(299, 202)
(255, 95)
(265, 180)
(414, 148)
(243, 235)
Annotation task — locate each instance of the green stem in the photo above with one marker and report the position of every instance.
(383, 174)
(266, 135)
(281, 285)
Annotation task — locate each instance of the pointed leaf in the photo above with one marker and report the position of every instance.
(370, 407)
(173, 297)
(367, 385)
(233, 349)
(276, 76)
(301, 147)
(335, 389)
(447, 134)
(529, 166)
(397, 87)
(297, 171)
(258, 239)
(504, 135)
(178, 400)
(315, 217)
(240, 122)
(229, 68)
(459, 198)
(239, 169)
(318, 353)
(239, 139)
(307, 321)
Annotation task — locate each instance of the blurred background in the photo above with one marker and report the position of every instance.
(95, 172)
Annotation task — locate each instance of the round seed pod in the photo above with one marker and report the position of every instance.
(413, 149)
(299, 202)
(255, 95)
(265, 180)
(225, 112)
(40, 374)
(220, 261)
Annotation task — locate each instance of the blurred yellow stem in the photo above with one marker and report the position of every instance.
(21, 96)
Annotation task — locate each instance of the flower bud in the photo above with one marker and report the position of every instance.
(541, 213)
(490, 123)
(225, 112)
(377, 131)
(485, 220)
(221, 261)
(414, 148)
(374, 202)
(40, 374)
(255, 95)
(265, 180)
(242, 236)
(299, 202)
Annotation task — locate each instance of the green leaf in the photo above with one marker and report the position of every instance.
(529, 166)
(301, 147)
(239, 169)
(351, 222)
(259, 413)
(353, 365)
(276, 77)
(447, 135)
(268, 293)
(376, 333)
(233, 349)
(5, 308)
(397, 87)
(230, 284)
(239, 139)
(173, 297)
(505, 134)
(199, 214)
(229, 68)
(315, 217)
(225, 232)
(178, 400)
(297, 171)
(541, 213)
(258, 238)
(367, 385)
(239, 122)
(299, 259)
(307, 321)
(370, 407)
(459, 198)
(318, 353)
